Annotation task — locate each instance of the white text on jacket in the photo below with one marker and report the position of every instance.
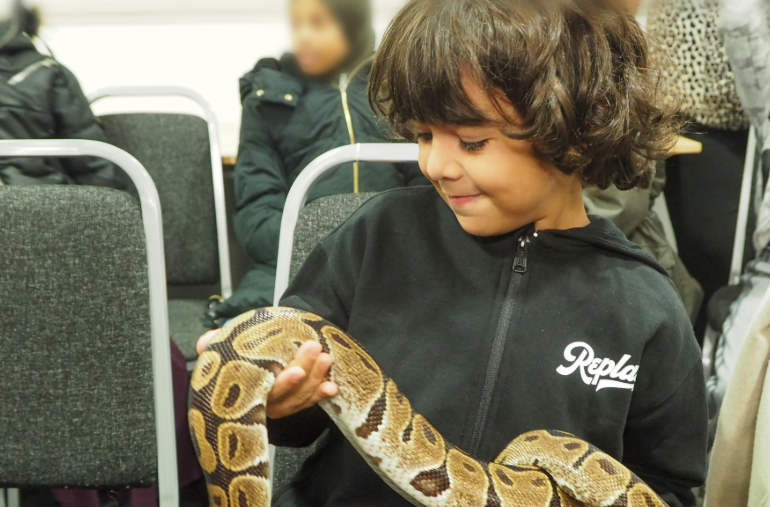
(595, 369)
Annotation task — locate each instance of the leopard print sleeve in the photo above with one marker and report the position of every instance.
(695, 71)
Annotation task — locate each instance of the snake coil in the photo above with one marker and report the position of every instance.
(228, 423)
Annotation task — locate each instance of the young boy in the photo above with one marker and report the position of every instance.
(493, 300)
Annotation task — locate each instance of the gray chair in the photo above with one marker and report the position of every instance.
(87, 398)
(318, 219)
(302, 227)
(181, 153)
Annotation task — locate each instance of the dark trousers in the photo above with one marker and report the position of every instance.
(187, 463)
(703, 192)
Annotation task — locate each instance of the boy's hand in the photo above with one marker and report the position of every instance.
(300, 385)
(204, 340)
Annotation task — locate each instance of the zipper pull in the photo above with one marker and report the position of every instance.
(520, 263)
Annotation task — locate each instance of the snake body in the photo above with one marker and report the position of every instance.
(228, 422)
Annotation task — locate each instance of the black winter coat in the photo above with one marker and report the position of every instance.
(288, 121)
(576, 330)
(41, 99)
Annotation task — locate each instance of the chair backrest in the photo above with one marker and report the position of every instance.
(175, 150)
(318, 219)
(75, 337)
(297, 198)
(79, 315)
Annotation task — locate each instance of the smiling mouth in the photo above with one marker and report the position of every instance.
(460, 200)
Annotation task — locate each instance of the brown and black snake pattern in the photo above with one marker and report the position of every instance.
(227, 420)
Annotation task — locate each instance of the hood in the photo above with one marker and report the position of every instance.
(602, 233)
(19, 44)
(355, 16)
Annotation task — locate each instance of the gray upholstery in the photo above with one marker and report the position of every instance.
(77, 383)
(185, 318)
(316, 221)
(320, 218)
(175, 150)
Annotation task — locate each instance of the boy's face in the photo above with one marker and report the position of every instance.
(495, 184)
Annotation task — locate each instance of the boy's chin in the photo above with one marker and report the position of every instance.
(482, 226)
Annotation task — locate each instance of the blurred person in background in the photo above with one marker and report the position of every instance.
(41, 99)
(702, 190)
(294, 110)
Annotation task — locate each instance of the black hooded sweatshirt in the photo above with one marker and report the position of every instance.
(576, 330)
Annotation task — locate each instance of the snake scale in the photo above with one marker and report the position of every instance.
(228, 423)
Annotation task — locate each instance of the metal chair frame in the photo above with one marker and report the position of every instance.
(300, 190)
(168, 483)
(739, 245)
(217, 173)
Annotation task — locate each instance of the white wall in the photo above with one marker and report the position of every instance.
(205, 45)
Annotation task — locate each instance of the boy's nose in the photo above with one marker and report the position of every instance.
(440, 164)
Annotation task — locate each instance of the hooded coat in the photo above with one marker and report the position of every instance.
(41, 99)
(576, 330)
(289, 120)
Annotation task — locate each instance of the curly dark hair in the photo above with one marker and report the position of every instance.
(575, 71)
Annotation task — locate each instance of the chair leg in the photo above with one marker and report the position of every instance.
(271, 455)
(14, 498)
(2, 498)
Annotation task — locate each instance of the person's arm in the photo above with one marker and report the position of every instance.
(75, 120)
(666, 433)
(261, 185)
(314, 289)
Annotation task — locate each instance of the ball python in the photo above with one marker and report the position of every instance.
(227, 417)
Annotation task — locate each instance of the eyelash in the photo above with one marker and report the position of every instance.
(473, 147)
(425, 137)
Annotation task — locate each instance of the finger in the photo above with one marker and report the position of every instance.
(204, 340)
(324, 391)
(291, 379)
(286, 383)
(291, 406)
(306, 355)
(301, 396)
(317, 374)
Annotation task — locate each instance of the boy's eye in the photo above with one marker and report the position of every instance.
(424, 137)
(473, 147)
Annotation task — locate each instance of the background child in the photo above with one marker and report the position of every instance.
(41, 99)
(294, 110)
(492, 299)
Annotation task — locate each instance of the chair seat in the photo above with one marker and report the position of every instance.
(185, 321)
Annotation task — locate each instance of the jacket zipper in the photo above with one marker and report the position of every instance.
(498, 344)
(345, 80)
